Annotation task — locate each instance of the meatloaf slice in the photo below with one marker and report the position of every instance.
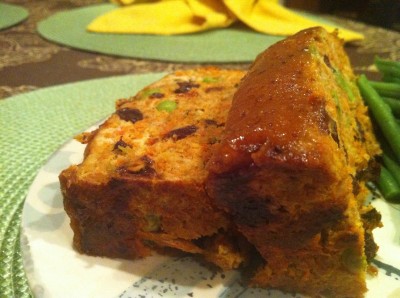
(292, 163)
(140, 186)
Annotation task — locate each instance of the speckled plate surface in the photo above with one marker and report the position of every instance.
(54, 269)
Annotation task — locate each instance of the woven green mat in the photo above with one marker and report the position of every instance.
(11, 15)
(32, 127)
(234, 44)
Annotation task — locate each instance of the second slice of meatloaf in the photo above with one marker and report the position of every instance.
(140, 186)
(291, 166)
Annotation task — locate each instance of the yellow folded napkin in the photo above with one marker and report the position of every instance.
(123, 2)
(270, 17)
(168, 17)
(164, 17)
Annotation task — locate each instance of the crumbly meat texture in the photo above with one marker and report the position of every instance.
(291, 167)
(140, 186)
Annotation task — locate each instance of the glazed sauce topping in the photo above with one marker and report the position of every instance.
(275, 112)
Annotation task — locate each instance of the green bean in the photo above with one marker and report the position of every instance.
(392, 166)
(388, 67)
(388, 186)
(382, 114)
(379, 60)
(394, 105)
(390, 79)
(386, 88)
(383, 99)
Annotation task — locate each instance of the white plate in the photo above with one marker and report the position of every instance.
(54, 269)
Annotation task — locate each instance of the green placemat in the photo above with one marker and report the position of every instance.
(11, 15)
(32, 127)
(233, 44)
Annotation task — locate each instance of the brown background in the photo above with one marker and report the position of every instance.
(28, 62)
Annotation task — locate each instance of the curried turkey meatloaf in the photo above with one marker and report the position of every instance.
(267, 167)
(291, 167)
(140, 186)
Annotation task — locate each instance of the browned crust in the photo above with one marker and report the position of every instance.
(286, 167)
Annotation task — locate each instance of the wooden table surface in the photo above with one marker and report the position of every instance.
(28, 62)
